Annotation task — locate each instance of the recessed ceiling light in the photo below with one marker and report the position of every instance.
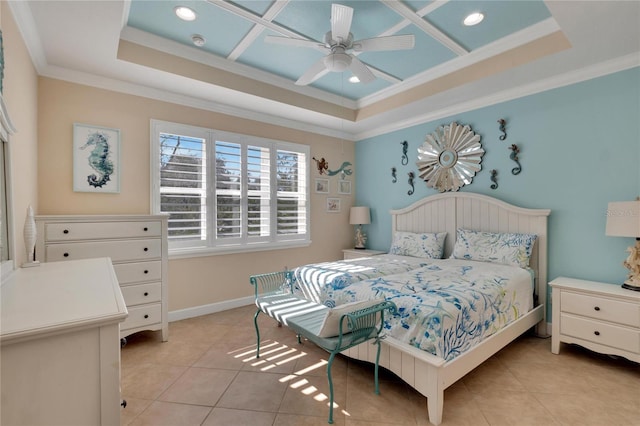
(185, 13)
(198, 40)
(354, 79)
(473, 19)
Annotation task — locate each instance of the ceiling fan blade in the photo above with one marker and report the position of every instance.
(397, 42)
(312, 74)
(296, 42)
(360, 70)
(341, 17)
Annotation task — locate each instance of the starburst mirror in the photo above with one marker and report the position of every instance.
(450, 157)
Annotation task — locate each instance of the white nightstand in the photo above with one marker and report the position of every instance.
(602, 317)
(356, 253)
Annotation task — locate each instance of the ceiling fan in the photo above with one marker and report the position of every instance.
(339, 44)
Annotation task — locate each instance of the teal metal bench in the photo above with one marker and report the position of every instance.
(274, 297)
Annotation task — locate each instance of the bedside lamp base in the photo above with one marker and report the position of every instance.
(632, 263)
(631, 287)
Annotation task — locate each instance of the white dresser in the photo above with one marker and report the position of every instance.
(602, 317)
(137, 246)
(61, 345)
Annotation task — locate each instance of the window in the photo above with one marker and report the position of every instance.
(228, 192)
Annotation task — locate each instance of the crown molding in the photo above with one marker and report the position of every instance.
(174, 48)
(86, 79)
(27, 27)
(524, 36)
(566, 79)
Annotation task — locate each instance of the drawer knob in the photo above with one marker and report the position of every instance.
(146, 229)
(146, 293)
(146, 271)
(146, 316)
(597, 333)
(597, 308)
(66, 231)
(66, 255)
(146, 249)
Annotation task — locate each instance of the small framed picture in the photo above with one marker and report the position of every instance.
(333, 205)
(96, 159)
(344, 187)
(322, 186)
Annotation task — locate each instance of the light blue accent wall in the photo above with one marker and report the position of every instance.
(579, 150)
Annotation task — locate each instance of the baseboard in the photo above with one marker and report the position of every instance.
(212, 308)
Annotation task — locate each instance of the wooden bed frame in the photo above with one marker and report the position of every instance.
(431, 375)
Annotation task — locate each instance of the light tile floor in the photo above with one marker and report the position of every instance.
(207, 374)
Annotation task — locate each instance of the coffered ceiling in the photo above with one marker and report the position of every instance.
(142, 47)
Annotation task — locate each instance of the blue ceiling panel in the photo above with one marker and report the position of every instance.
(290, 62)
(501, 18)
(221, 29)
(259, 7)
(338, 83)
(427, 53)
(370, 18)
(296, 17)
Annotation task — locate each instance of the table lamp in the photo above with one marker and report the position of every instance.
(360, 216)
(623, 220)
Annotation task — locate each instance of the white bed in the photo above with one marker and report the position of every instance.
(429, 374)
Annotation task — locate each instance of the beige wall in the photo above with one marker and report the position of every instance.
(20, 92)
(192, 282)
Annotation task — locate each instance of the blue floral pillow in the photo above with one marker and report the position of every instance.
(428, 245)
(504, 248)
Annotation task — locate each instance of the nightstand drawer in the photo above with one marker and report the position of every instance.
(597, 307)
(101, 230)
(602, 333)
(116, 250)
(357, 253)
(138, 271)
(141, 293)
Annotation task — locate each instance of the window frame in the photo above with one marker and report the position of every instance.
(211, 245)
(6, 130)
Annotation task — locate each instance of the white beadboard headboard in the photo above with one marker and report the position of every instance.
(452, 210)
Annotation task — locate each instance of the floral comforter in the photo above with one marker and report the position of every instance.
(315, 279)
(447, 306)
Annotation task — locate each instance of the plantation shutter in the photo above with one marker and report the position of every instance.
(228, 190)
(183, 186)
(258, 193)
(291, 194)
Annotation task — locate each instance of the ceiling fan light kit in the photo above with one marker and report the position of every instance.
(337, 61)
(339, 46)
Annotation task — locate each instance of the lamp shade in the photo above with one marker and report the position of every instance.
(623, 219)
(359, 216)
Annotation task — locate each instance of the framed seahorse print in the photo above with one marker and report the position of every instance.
(96, 159)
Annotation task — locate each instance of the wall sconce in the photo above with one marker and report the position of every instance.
(623, 220)
(360, 216)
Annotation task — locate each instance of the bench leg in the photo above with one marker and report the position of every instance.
(331, 357)
(255, 322)
(375, 374)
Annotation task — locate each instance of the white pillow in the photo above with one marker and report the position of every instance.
(504, 248)
(331, 324)
(428, 245)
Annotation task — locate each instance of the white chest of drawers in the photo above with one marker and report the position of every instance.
(137, 246)
(602, 317)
